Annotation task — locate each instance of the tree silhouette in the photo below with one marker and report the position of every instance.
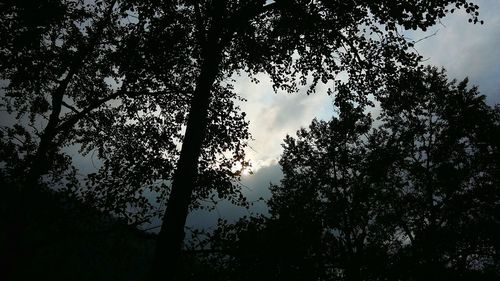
(54, 62)
(51, 61)
(104, 84)
(445, 175)
(175, 58)
(96, 75)
(293, 42)
(411, 197)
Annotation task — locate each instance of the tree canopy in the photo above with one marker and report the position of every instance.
(92, 77)
(146, 85)
(411, 196)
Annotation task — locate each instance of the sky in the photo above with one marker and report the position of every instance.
(462, 48)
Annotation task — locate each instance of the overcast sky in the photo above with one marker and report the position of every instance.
(462, 48)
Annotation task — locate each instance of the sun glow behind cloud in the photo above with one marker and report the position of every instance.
(274, 115)
(462, 48)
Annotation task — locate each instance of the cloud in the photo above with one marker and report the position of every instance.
(464, 49)
(467, 50)
(254, 187)
(274, 115)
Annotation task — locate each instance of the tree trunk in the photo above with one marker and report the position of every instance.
(42, 159)
(171, 236)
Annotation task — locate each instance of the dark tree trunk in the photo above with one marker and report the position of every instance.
(41, 161)
(168, 250)
(27, 206)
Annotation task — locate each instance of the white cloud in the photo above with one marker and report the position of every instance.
(274, 115)
(464, 49)
(468, 50)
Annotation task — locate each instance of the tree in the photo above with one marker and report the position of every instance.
(413, 198)
(324, 222)
(95, 75)
(290, 41)
(444, 175)
(193, 47)
(55, 63)
(49, 59)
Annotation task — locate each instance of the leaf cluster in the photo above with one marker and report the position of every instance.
(411, 196)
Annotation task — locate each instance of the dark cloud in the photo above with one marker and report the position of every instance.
(254, 187)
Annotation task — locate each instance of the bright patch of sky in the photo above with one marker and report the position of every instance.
(462, 48)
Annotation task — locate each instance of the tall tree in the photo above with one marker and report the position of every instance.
(95, 75)
(444, 175)
(295, 43)
(414, 197)
(54, 63)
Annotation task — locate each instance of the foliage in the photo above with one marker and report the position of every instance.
(412, 196)
(94, 77)
(355, 47)
(123, 78)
